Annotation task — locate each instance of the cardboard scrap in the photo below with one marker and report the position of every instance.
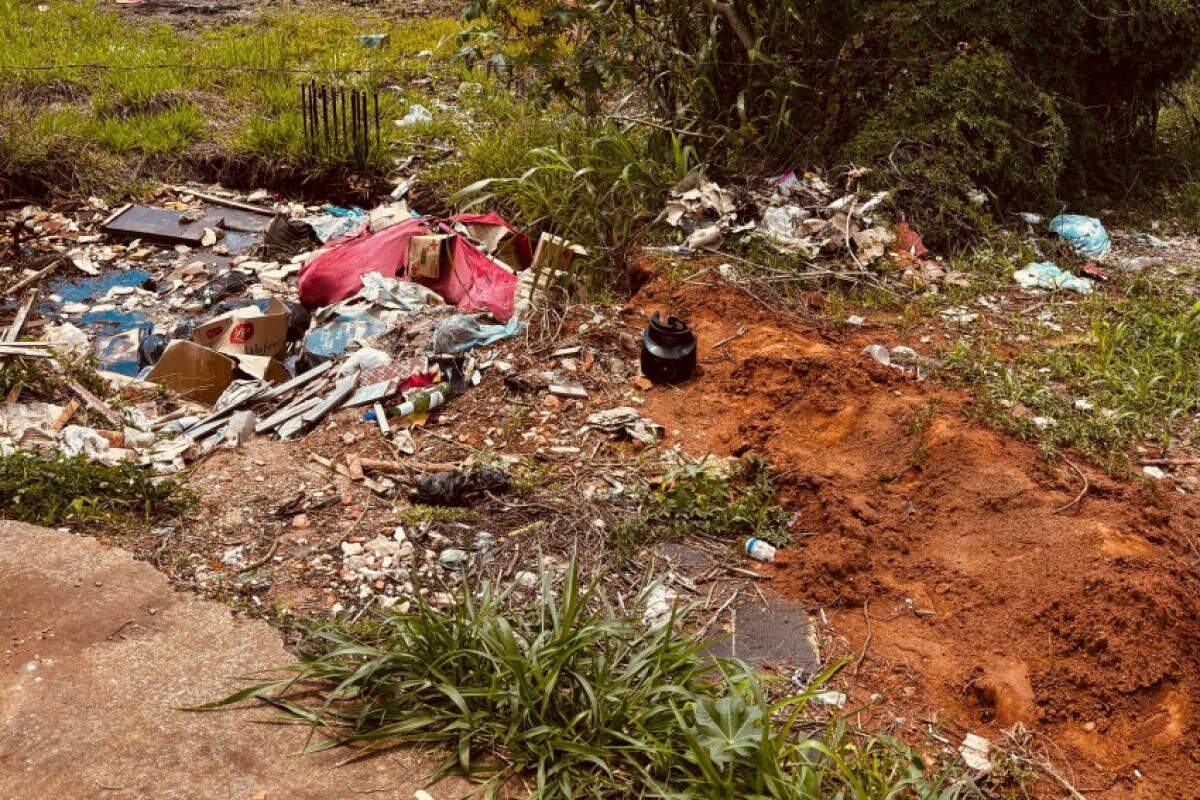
(200, 373)
(554, 253)
(427, 255)
(247, 331)
(497, 241)
(193, 372)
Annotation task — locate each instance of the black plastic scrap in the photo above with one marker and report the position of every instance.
(456, 488)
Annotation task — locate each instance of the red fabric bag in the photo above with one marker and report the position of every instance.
(474, 282)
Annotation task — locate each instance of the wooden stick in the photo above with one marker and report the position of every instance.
(66, 414)
(222, 201)
(24, 352)
(867, 642)
(34, 278)
(18, 323)
(747, 573)
(1082, 491)
(95, 403)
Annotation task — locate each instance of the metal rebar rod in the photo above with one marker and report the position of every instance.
(342, 94)
(378, 143)
(304, 113)
(312, 98)
(325, 112)
(366, 128)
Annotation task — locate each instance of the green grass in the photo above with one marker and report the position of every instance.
(700, 500)
(1129, 352)
(150, 133)
(568, 698)
(51, 490)
(100, 84)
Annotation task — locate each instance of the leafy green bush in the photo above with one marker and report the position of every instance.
(577, 700)
(1018, 100)
(978, 133)
(48, 490)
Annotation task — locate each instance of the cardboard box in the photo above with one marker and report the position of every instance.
(263, 367)
(199, 373)
(193, 372)
(554, 254)
(247, 331)
(497, 241)
(427, 255)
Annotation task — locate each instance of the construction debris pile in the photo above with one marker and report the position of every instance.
(194, 294)
(811, 216)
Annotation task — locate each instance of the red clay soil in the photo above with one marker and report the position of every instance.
(986, 607)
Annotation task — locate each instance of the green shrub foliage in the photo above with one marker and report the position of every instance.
(1022, 102)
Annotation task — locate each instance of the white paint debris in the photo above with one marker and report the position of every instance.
(974, 751)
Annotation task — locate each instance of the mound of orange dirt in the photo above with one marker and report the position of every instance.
(942, 543)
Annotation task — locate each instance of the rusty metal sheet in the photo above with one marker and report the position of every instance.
(159, 225)
(236, 219)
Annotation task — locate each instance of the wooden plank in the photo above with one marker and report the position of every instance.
(66, 415)
(24, 352)
(297, 381)
(340, 392)
(23, 310)
(34, 278)
(96, 404)
(284, 414)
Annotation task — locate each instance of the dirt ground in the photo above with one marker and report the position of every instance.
(968, 600)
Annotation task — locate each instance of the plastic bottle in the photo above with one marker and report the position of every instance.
(759, 550)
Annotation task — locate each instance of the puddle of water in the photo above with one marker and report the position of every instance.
(92, 290)
(104, 324)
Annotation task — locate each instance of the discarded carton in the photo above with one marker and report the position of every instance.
(262, 367)
(193, 372)
(426, 255)
(498, 241)
(201, 374)
(247, 331)
(555, 253)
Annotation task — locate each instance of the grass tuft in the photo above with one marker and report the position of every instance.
(50, 490)
(575, 700)
(701, 500)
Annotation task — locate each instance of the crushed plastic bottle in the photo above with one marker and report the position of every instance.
(759, 550)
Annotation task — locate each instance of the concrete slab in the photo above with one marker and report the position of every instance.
(777, 633)
(99, 652)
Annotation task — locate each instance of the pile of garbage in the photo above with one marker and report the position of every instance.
(257, 320)
(811, 216)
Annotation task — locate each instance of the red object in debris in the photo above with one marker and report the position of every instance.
(910, 241)
(473, 283)
(1095, 272)
(418, 380)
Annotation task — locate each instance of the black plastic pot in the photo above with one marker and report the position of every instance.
(668, 350)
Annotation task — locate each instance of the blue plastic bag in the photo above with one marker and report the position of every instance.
(1047, 275)
(1085, 234)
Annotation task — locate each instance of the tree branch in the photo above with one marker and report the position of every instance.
(727, 10)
